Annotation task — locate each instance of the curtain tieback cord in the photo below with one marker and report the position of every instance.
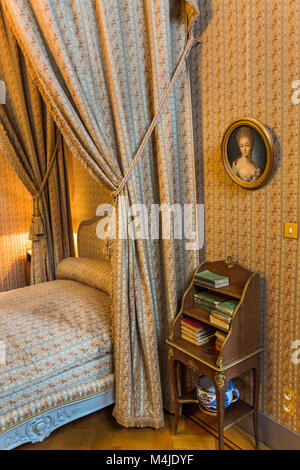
(46, 177)
(147, 136)
(37, 226)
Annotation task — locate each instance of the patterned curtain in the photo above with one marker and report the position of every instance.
(102, 67)
(28, 137)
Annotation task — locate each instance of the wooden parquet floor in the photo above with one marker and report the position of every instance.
(100, 431)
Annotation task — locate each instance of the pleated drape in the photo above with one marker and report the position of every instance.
(102, 67)
(28, 137)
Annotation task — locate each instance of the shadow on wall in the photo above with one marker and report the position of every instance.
(194, 64)
(14, 277)
(195, 61)
(245, 382)
(86, 194)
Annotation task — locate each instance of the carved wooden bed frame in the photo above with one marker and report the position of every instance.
(37, 428)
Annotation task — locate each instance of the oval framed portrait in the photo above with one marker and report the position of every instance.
(248, 153)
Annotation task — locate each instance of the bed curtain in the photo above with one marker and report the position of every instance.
(28, 138)
(102, 67)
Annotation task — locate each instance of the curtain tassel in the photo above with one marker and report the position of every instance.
(37, 227)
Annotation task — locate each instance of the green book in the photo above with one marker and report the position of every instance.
(208, 298)
(219, 314)
(200, 282)
(208, 276)
(205, 307)
(227, 307)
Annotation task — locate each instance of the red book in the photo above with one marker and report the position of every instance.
(193, 324)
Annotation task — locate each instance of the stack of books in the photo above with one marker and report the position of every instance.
(207, 300)
(196, 332)
(207, 278)
(222, 314)
(220, 338)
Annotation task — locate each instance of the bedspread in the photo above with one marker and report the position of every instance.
(57, 335)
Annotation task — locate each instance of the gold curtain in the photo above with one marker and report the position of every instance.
(102, 67)
(28, 137)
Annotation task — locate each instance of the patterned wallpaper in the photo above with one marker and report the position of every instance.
(248, 60)
(85, 193)
(15, 217)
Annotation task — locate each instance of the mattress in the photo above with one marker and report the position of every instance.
(57, 337)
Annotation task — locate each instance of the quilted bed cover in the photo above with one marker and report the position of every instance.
(58, 347)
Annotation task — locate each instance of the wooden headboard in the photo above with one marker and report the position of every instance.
(89, 245)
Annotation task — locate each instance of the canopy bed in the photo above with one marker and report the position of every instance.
(59, 351)
(113, 70)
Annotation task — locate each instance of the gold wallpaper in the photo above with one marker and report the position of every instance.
(15, 217)
(246, 65)
(86, 194)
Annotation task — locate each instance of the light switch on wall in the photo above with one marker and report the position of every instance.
(290, 230)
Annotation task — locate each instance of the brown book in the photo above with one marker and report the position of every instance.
(220, 317)
(196, 334)
(197, 343)
(220, 323)
(221, 336)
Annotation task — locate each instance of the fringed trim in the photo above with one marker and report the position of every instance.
(192, 12)
(138, 422)
(114, 254)
(108, 248)
(109, 241)
(59, 120)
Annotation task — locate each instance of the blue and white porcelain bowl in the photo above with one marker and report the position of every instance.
(206, 394)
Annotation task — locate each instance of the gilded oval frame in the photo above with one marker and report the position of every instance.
(269, 146)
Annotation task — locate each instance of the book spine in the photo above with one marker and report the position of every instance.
(211, 300)
(196, 337)
(225, 310)
(190, 333)
(200, 283)
(191, 340)
(206, 283)
(211, 277)
(197, 343)
(203, 331)
(214, 284)
(221, 324)
(220, 336)
(194, 328)
(222, 315)
(204, 307)
(204, 303)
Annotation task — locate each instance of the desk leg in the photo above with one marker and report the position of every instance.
(256, 385)
(220, 382)
(174, 381)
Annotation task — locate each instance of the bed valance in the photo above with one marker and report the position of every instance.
(31, 143)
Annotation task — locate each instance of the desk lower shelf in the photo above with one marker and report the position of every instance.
(234, 413)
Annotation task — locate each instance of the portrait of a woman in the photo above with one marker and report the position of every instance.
(243, 166)
(248, 153)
